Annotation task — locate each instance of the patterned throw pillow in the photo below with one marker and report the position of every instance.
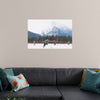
(18, 82)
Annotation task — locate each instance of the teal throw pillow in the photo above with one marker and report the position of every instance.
(3, 78)
(1, 89)
(91, 81)
(9, 71)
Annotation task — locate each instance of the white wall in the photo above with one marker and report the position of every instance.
(85, 15)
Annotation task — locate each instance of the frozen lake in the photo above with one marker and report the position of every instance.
(49, 46)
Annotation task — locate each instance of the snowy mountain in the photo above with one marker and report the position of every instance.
(31, 34)
(62, 31)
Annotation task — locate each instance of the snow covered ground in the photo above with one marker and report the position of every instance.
(49, 46)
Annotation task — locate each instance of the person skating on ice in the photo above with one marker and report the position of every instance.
(34, 42)
(54, 42)
(45, 43)
(68, 42)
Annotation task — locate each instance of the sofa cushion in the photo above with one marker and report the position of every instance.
(38, 76)
(74, 93)
(36, 93)
(69, 76)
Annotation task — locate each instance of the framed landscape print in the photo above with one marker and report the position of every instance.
(49, 34)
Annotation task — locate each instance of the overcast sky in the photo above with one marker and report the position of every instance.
(39, 26)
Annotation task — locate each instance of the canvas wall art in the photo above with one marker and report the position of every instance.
(50, 34)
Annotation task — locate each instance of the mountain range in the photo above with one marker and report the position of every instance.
(32, 34)
(63, 31)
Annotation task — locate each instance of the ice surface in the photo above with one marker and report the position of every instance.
(49, 46)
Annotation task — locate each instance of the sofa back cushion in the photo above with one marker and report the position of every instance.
(69, 76)
(38, 76)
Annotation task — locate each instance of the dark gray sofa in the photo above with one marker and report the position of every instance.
(52, 84)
